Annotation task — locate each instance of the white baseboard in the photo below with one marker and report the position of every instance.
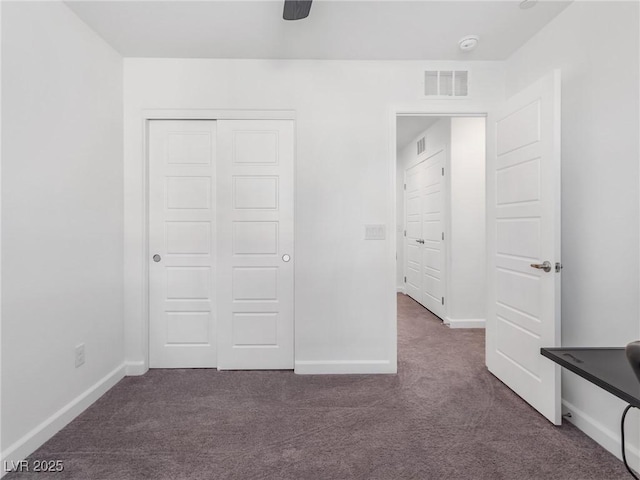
(31, 441)
(330, 367)
(135, 368)
(401, 290)
(609, 440)
(465, 322)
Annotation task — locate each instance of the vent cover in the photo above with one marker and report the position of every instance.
(421, 145)
(446, 83)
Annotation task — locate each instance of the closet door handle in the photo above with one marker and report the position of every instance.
(420, 240)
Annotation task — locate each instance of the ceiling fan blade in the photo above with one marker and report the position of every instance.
(296, 9)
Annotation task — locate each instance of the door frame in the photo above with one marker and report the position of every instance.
(486, 110)
(193, 114)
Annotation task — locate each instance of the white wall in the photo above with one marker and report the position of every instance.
(596, 44)
(467, 241)
(62, 214)
(344, 287)
(464, 140)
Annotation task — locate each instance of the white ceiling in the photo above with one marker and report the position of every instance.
(408, 128)
(353, 30)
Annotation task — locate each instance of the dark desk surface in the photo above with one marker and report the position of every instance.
(606, 367)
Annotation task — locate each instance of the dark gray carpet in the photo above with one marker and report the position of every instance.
(442, 417)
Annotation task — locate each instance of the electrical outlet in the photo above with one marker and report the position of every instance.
(79, 355)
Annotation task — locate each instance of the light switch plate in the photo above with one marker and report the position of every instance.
(374, 232)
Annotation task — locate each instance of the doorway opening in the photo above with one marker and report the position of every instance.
(441, 219)
(521, 233)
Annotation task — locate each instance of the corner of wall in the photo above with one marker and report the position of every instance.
(133, 369)
(33, 439)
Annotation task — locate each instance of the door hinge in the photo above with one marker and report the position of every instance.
(442, 300)
(405, 186)
(443, 235)
(443, 171)
(405, 233)
(405, 279)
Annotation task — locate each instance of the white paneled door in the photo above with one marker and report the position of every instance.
(255, 244)
(182, 165)
(413, 232)
(523, 211)
(424, 239)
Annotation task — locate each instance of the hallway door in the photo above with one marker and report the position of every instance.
(424, 239)
(413, 185)
(433, 242)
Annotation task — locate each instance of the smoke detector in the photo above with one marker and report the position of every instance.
(525, 4)
(468, 43)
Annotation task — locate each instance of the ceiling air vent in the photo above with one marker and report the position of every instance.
(421, 145)
(446, 83)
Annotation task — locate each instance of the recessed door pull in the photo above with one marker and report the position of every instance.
(546, 266)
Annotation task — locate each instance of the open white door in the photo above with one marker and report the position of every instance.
(523, 212)
(255, 244)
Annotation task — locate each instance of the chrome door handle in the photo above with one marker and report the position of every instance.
(420, 240)
(546, 266)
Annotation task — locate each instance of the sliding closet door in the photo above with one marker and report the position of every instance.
(182, 166)
(255, 244)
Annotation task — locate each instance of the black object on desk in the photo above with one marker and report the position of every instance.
(607, 368)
